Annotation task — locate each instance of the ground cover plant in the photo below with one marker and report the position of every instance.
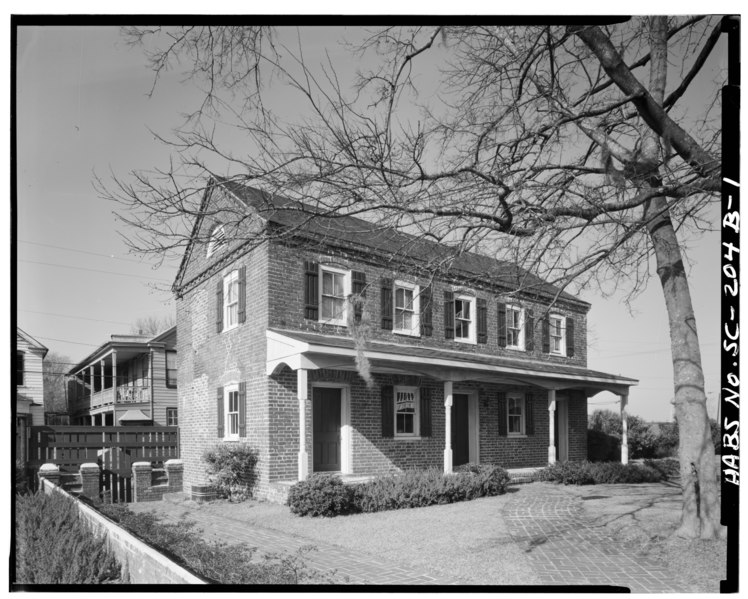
(55, 546)
(326, 495)
(216, 562)
(598, 473)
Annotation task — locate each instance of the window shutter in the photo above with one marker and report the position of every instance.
(529, 331)
(427, 327)
(219, 306)
(501, 316)
(311, 290)
(449, 315)
(242, 294)
(529, 416)
(386, 304)
(570, 337)
(425, 406)
(546, 335)
(358, 288)
(388, 414)
(482, 320)
(242, 409)
(219, 410)
(502, 414)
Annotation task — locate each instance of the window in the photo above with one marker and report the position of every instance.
(171, 369)
(232, 412)
(557, 333)
(406, 309)
(231, 300)
(514, 327)
(406, 411)
(217, 240)
(172, 417)
(515, 414)
(19, 369)
(333, 293)
(464, 319)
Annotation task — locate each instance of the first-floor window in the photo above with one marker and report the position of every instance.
(406, 411)
(232, 412)
(172, 417)
(557, 334)
(515, 414)
(171, 369)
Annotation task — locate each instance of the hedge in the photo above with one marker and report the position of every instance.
(597, 473)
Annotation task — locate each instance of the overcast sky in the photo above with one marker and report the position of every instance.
(83, 109)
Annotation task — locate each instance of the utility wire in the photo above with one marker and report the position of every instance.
(78, 317)
(59, 247)
(106, 272)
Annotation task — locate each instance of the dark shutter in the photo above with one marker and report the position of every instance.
(546, 334)
(427, 327)
(388, 415)
(529, 331)
(502, 414)
(425, 412)
(242, 294)
(358, 288)
(449, 315)
(219, 411)
(529, 416)
(570, 337)
(386, 304)
(219, 306)
(501, 311)
(242, 409)
(311, 290)
(482, 321)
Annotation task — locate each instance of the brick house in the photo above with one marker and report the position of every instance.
(461, 370)
(29, 377)
(129, 380)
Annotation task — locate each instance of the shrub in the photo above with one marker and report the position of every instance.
(603, 447)
(667, 467)
(232, 470)
(55, 546)
(492, 479)
(216, 562)
(596, 473)
(320, 495)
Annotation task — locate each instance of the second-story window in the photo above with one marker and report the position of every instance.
(333, 292)
(465, 318)
(514, 334)
(557, 334)
(171, 369)
(231, 299)
(19, 369)
(406, 309)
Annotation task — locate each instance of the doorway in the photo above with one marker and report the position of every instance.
(326, 427)
(561, 429)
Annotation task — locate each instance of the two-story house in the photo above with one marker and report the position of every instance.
(475, 362)
(29, 377)
(129, 380)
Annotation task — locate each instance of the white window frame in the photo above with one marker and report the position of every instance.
(562, 337)
(415, 330)
(228, 280)
(227, 412)
(170, 411)
(343, 319)
(523, 416)
(471, 338)
(520, 345)
(416, 434)
(215, 244)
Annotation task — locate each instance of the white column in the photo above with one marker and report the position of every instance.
(114, 373)
(624, 428)
(551, 426)
(301, 394)
(447, 427)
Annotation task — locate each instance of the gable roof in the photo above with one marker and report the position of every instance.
(31, 341)
(356, 233)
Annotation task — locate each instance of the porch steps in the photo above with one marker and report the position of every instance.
(519, 476)
(71, 482)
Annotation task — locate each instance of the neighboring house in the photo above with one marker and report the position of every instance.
(130, 380)
(463, 370)
(29, 389)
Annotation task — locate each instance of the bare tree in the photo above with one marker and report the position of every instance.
(576, 152)
(153, 325)
(54, 369)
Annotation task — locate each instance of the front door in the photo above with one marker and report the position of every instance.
(561, 430)
(460, 430)
(326, 429)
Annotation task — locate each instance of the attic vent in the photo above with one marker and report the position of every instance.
(217, 240)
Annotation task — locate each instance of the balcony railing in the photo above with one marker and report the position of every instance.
(123, 394)
(133, 393)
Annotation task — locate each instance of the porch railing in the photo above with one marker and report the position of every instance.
(122, 394)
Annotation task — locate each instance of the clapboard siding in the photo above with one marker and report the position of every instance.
(163, 397)
(33, 381)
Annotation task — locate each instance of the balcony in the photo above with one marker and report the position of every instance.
(127, 393)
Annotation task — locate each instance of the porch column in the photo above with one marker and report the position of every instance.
(103, 379)
(447, 427)
(114, 374)
(301, 394)
(624, 428)
(92, 376)
(551, 426)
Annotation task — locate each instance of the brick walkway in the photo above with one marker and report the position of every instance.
(359, 568)
(565, 548)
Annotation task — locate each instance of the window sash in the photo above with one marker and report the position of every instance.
(513, 326)
(172, 417)
(333, 295)
(557, 334)
(20, 361)
(231, 300)
(406, 411)
(463, 319)
(515, 416)
(232, 414)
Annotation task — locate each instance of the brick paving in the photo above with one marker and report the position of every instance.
(565, 548)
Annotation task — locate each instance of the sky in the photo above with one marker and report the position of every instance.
(83, 111)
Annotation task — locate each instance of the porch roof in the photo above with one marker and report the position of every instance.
(299, 349)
